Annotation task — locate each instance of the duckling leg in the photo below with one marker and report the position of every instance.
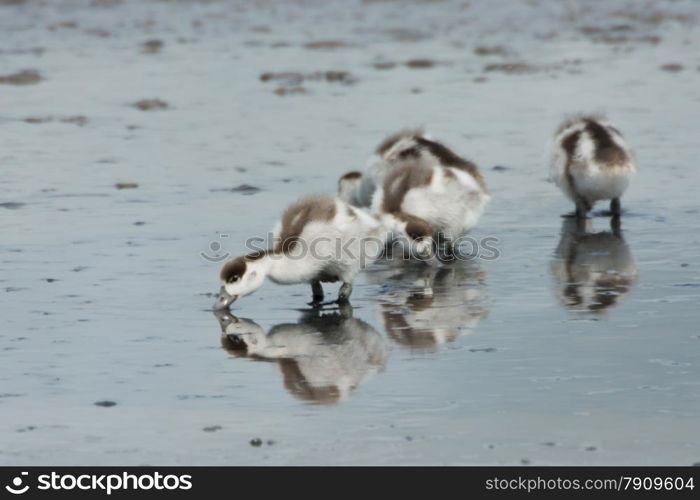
(317, 291)
(344, 293)
(582, 207)
(615, 207)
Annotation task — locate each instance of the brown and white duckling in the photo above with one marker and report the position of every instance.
(435, 188)
(590, 162)
(357, 188)
(319, 239)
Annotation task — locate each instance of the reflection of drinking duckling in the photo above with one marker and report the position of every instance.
(592, 270)
(322, 357)
(422, 308)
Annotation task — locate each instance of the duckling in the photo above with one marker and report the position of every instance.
(357, 188)
(434, 188)
(591, 161)
(319, 239)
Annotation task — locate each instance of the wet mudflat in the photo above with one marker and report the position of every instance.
(143, 142)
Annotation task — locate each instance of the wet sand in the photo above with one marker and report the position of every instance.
(124, 161)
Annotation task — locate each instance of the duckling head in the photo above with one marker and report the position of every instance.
(348, 186)
(406, 149)
(241, 276)
(413, 234)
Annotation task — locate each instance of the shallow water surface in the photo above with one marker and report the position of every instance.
(158, 137)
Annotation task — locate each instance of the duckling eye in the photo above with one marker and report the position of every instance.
(233, 279)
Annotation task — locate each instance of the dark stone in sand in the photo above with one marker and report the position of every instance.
(25, 77)
(105, 403)
(139, 223)
(513, 68)
(325, 44)
(126, 185)
(212, 428)
(384, 65)
(152, 46)
(591, 448)
(420, 63)
(338, 76)
(611, 39)
(496, 50)
(270, 442)
(50, 280)
(485, 349)
(256, 442)
(673, 67)
(64, 24)
(11, 205)
(241, 188)
(499, 168)
(79, 120)
(525, 461)
(287, 77)
(150, 104)
(36, 119)
(282, 91)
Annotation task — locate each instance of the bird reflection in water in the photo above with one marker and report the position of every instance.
(592, 271)
(422, 307)
(322, 358)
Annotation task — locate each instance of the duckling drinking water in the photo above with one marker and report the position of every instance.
(318, 239)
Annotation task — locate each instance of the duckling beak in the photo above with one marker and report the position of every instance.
(224, 300)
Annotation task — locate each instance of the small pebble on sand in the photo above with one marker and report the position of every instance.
(150, 104)
(25, 77)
